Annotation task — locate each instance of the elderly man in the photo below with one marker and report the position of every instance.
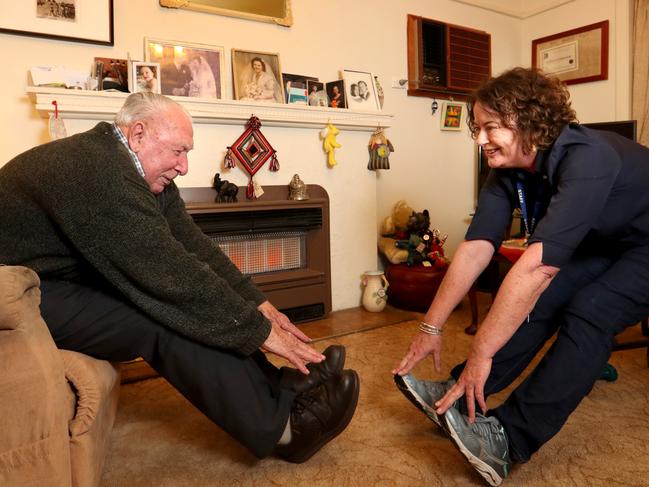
(125, 273)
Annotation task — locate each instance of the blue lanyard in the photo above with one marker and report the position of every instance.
(530, 223)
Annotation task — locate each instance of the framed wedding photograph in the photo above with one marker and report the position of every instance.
(360, 90)
(89, 21)
(452, 114)
(194, 70)
(574, 56)
(143, 76)
(295, 88)
(257, 76)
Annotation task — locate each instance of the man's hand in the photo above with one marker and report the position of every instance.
(276, 317)
(470, 384)
(286, 340)
(422, 346)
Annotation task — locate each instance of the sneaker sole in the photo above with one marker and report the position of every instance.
(349, 414)
(488, 473)
(416, 399)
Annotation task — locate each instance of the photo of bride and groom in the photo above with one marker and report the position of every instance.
(187, 69)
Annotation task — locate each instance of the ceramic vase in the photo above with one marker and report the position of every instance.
(375, 294)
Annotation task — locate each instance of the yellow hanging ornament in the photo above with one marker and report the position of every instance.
(329, 144)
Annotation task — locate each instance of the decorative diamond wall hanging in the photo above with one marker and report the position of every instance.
(252, 150)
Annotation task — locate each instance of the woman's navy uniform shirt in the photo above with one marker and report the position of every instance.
(593, 188)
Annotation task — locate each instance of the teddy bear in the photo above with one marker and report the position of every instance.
(419, 238)
(393, 228)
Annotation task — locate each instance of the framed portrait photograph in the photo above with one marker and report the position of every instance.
(574, 56)
(186, 69)
(143, 76)
(257, 76)
(317, 94)
(360, 90)
(295, 88)
(89, 21)
(452, 114)
(336, 93)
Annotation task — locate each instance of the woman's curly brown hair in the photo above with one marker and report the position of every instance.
(526, 100)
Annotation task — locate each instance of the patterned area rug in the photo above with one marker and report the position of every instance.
(160, 439)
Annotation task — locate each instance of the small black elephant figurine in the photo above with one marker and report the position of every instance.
(226, 192)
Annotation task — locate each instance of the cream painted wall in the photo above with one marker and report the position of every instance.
(430, 168)
(599, 100)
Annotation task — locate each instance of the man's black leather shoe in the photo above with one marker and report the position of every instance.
(318, 373)
(319, 415)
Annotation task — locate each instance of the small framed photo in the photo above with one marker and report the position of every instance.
(360, 90)
(194, 70)
(452, 114)
(295, 88)
(336, 94)
(257, 76)
(143, 76)
(112, 74)
(317, 95)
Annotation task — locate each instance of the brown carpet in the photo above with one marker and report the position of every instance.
(159, 439)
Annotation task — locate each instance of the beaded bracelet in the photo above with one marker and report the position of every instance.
(430, 329)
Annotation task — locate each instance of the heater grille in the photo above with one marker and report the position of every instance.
(265, 251)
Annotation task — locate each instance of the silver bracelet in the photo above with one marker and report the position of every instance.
(430, 329)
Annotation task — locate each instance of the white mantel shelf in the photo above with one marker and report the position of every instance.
(103, 105)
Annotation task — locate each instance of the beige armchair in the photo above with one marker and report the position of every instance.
(56, 407)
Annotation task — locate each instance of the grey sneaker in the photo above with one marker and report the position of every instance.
(483, 443)
(423, 393)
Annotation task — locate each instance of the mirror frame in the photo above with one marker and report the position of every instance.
(286, 21)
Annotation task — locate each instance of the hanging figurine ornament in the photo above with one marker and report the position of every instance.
(56, 126)
(329, 144)
(379, 148)
(252, 150)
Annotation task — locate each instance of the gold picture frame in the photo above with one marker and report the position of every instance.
(273, 11)
(574, 56)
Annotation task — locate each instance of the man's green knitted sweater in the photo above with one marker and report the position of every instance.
(77, 209)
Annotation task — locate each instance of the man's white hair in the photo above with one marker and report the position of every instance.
(144, 106)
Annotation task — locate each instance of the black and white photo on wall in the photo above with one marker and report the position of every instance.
(88, 21)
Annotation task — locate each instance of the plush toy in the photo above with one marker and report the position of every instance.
(423, 245)
(395, 226)
(418, 239)
(329, 144)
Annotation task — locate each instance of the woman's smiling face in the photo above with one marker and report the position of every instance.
(501, 144)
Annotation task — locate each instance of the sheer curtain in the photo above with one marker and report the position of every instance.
(641, 69)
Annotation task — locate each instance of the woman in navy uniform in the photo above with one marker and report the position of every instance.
(584, 272)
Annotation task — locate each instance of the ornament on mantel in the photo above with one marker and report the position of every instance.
(252, 150)
(379, 148)
(56, 126)
(329, 144)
